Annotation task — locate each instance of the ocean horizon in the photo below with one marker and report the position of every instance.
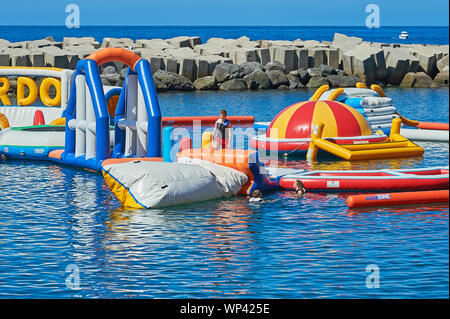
(386, 34)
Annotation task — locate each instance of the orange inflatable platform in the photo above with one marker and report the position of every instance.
(245, 161)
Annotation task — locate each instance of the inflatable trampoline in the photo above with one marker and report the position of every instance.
(290, 131)
(32, 142)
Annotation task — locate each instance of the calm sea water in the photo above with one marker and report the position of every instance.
(54, 217)
(419, 34)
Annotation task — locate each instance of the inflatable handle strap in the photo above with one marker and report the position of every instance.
(335, 94)
(407, 121)
(361, 85)
(115, 54)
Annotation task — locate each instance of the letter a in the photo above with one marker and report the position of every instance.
(73, 19)
(373, 19)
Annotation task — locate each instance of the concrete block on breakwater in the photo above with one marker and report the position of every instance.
(351, 58)
(442, 64)
(69, 42)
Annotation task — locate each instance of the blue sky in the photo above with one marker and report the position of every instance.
(227, 12)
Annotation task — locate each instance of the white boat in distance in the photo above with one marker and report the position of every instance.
(404, 35)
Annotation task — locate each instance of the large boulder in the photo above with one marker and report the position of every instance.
(442, 78)
(304, 76)
(111, 79)
(109, 69)
(206, 64)
(249, 67)
(258, 79)
(234, 84)
(123, 73)
(317, 81)
(277, 78)
(294, 81)
(343, 80)
(168, 81)
(315, 72)
(417, 80)
(327, 70)
(275, 65)
(206, 83)
(227, 71)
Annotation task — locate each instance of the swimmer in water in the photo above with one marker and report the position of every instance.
(256, 197)
(299, 188)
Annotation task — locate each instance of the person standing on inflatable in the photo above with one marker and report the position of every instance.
(223, 129)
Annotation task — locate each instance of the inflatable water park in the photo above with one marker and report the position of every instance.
(71, 118)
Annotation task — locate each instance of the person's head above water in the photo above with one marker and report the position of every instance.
(223, 114)
(256, 197)
(256, 193)
(299, 187)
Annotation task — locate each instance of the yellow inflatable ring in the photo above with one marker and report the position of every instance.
(44, 92)
(4, 91)
(33, 91)
(4, 123)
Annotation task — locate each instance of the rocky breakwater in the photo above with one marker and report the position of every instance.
(185, 63)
